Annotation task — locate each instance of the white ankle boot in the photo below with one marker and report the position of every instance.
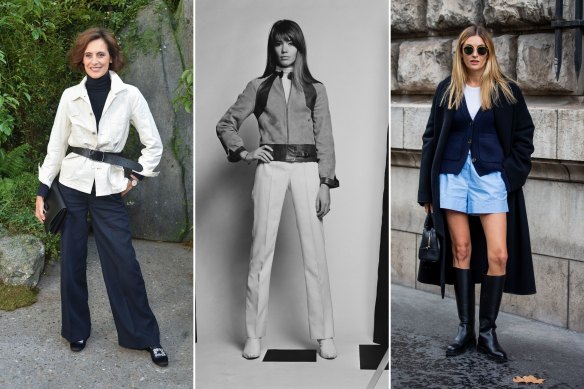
(327, 349)
(252, 348)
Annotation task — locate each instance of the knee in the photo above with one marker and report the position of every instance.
(461, 252)
(498, 257)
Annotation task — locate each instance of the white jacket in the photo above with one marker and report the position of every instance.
(75, 126)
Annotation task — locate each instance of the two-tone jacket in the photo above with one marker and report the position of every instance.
(303, 120)
(75, 126)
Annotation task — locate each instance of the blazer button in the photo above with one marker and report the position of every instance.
(469, 140)
(474, 159)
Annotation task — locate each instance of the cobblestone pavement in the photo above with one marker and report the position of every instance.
(423, 325)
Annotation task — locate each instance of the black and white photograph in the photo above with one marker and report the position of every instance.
(290, 162)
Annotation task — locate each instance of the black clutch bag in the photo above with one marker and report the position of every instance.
(430, 246)
(55, 209)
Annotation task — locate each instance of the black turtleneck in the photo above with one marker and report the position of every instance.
(98, 89)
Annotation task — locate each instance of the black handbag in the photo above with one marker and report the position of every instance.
(55, 209)
(430, 246)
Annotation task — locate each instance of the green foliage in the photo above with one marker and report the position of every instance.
(17, 205)
(35, 36)
(13, 297)
(184, 92)
(16, 162)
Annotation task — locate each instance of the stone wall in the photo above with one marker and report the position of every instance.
(524, 39)
(423, 34)
(161, 208)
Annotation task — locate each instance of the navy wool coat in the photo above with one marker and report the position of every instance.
(515, 132)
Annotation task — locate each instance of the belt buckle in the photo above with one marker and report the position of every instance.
(290, 153)
(97, 152)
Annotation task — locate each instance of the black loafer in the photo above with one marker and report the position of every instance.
(79, 345)
(158, 355)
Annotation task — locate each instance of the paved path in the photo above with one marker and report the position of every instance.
(34, 355)
(423, 325)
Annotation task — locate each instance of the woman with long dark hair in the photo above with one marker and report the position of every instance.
(93, 121)
(296, 153)
(475, 159)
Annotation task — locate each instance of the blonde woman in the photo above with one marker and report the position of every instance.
(475, 159)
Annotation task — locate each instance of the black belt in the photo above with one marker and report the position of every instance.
(293, 153)
(111, 158)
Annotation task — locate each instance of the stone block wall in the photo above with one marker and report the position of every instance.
(422, 31)
(422, 42)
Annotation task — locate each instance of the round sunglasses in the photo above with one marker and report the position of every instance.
(468, 50)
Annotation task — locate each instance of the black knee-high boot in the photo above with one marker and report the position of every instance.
(491, 294)
(465, 303)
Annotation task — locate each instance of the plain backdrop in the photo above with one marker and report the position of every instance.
(347, 43)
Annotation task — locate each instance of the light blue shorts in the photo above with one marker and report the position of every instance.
(472, 194)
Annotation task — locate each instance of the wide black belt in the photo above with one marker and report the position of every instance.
(111, 158)
(294, 153)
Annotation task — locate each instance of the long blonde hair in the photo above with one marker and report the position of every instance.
(492, 78)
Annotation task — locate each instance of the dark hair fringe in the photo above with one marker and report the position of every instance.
(288, 29)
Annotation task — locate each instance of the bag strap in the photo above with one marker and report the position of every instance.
(429, 222)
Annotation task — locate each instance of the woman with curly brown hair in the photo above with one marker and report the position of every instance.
(93, 121)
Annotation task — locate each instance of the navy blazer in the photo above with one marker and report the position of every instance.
(514, 128)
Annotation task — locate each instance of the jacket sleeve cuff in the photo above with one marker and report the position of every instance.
(137, 175)
(424, 200)
(43, 190)
(233, 156)
(330, 182)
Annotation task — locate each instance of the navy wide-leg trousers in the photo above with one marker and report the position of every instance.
(136, 325)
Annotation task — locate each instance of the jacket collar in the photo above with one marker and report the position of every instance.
(79, 90)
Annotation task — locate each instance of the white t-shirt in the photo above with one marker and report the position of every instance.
(472, 96)
(286, 82)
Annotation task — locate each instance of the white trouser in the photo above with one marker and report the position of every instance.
(270, 185)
